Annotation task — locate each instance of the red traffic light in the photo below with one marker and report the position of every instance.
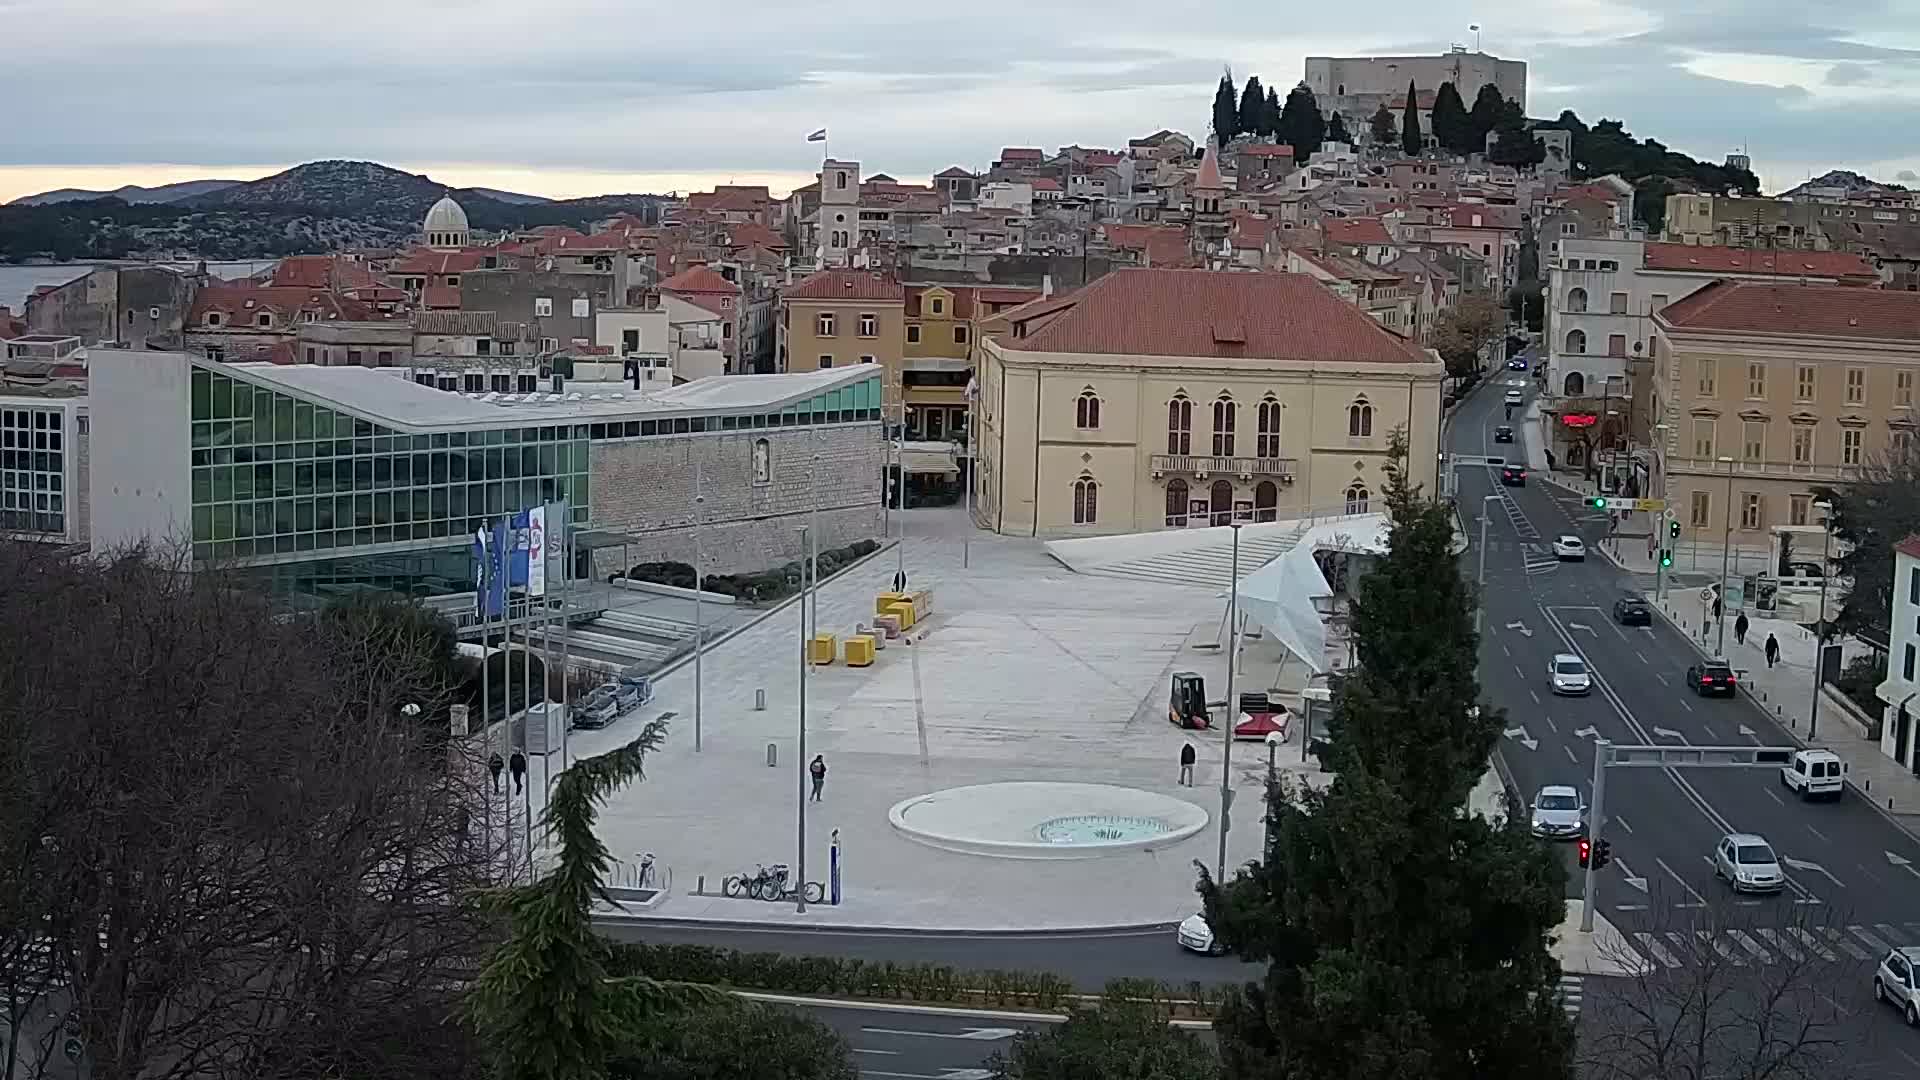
(1586, 850)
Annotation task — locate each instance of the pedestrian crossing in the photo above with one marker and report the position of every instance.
(1760, 945)
(1572, 987)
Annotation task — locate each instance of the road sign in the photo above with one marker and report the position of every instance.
(1652, 506)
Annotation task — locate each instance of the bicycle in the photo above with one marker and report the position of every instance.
(765, 883)
(814, 891)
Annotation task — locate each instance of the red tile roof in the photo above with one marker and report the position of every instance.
(1249, 231)
(423, 261)
(1206, 313)
(240, 303)
(753, 233)
(320, 272)
(1910, 547)
(1276, 150)
(1830, 311)
(1021, 153)
(700, 279)
(1356, 232)
(845, 285)
(1711, 260)
(440, 297)
(1164, 245)
(1045, 183)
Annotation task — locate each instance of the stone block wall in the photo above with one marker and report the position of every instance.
(646, 487)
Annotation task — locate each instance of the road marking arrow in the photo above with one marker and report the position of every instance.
(969, 1035)
(1583, 626)
(1522, 627)
(1903, 864)
(1814, 868)
(1627, 875)
(1587, 733)
(1669, 733)
(1525, 739)
(1748, 732)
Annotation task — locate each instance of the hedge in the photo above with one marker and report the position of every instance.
(767, 585)
(832, 976)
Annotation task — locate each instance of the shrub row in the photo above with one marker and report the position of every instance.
(766, 585)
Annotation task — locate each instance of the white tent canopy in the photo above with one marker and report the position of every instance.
(1281, 595)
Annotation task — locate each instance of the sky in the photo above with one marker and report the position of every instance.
(579, 97)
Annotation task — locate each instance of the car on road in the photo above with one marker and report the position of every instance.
(1518, 363)
(1896, 982)
(1569, 549)
(1568, 674)
(1815, 774)
(1513, 397)
(1558, 813)
(1713, 678)
(599, 708)
(1503, 433)
(1513, 475)
(1632, 610)
(1747, 862)
(1194, 935)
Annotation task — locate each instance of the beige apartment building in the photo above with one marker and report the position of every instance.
(837, 318)
(1156, 399)
(1769, 390)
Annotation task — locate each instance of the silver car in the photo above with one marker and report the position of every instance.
(1558, 813)
(1567, 674)
(1747, 862)
(598, 709)
(1896, 982)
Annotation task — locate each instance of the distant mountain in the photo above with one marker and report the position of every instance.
(131, 194)
(512, 198)
(1846, 179)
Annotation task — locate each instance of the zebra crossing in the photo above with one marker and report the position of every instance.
(1759, 945)
(1571, 989)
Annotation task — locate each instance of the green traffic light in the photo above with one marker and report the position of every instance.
(1599, 503)
(1666, 558)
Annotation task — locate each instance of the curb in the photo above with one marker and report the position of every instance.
(884, 930)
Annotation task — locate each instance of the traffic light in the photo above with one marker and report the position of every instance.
(1666, 556)
(1598, 502)
(1673, 528)
(1603, 855)
(1586, 848)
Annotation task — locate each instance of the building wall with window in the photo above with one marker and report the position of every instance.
(1900, 736)
(359, 344)
(555, 306)
(43, 465)
(838, 318)
(1769, 391)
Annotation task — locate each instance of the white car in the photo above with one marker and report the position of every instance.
(1748, 863)
(1195, 935)
(1896, 982)
(1815, 774)
(1567, 674)
(1569, 549)
(1558, 813)
(1513, 397)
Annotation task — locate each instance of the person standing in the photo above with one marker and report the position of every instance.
(1773, 650)
(818, 770)
(517, 765)
(1186, 765)
(1740, 629)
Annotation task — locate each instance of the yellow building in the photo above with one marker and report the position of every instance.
(943, 331)
(836, 318)
(1769, 390)
(1157, 399)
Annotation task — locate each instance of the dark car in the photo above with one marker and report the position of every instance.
(1503, 433)
(1632, 611)
(1715, 677)
(1518, 363)
(1513, 476)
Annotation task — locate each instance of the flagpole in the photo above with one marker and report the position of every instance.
(526, 698)
(699, 615)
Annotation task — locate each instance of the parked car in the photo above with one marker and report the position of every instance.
(1503, 433)
(626, 696)
(1558, 813)
(1747, 863)
(1815, 774)
(1569, 549)
(599, 708)
(1568, 674)
(1714, 677)
(1632, 610)
(1195, 935)
(1896, 982)
(1513, 475)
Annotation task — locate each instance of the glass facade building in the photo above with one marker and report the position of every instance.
(33, 469)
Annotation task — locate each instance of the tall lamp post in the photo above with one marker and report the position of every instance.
(1820, 635)
(699, 615)
(1726, 551)
(800, 818)
(1233, 707)
(1480, 579)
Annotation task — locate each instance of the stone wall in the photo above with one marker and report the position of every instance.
(646, 487)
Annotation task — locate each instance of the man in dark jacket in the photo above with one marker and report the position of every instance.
(1186, 765)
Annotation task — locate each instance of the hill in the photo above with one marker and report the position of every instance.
(131, 194)
(1854, 184)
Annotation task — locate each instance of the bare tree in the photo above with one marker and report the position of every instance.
(236, 852)
(1728, 992)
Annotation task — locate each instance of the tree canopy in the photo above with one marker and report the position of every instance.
(1382, 126)
(1871, 514)
(1337, 130)
(1123, 1038)
(1301, 126)
(1226, 110)
(1655, 171)
(1411, 140)
(1451, 128)
(1252, 115)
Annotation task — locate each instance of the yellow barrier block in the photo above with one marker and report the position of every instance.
(822, 648)
(903, 609)
(859, 651)
(886, 600)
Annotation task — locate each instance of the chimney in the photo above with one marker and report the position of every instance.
(1046, 286)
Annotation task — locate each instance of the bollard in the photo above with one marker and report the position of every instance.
(1868, 786)
(773, 755)
(760, 700)
(700, 885)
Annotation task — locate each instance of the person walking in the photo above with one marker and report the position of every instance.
(1773, 650)
(494, 765)
(1740, 629)
(517, 765)
(1186, 765)
(818, 770)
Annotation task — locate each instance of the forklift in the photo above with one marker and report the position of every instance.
(1187, 704)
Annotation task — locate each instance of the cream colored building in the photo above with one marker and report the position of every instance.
(838, 318)
(1157, 399)
(1770, 390)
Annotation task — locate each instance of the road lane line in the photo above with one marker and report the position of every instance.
(1774, 797)
(1652, 947)
(1620, 821)
(1818, 833)
(1504, 649)
(1555, 728)
(1675, 875)
(1535, 695)
(1867, 936)
(1570, 756)
(885, 1053)
(1643, 659)
(1779, 942)
(1834, 937)
(1662, 678)
(1709, 732)
(1682, 701)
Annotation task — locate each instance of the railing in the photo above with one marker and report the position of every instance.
(1234, 466)
(1800, 470)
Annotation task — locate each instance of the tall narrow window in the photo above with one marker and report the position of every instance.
(1703, 438)
(1180, 425)
(824, 324)
(1803, 444)
(1754, 440)
(1757, 380)
(1266, 501)
(1267, 440)
(1086, 501)
(1086, 410)
(1856, 385)
(869, 324)
(1360, 419)
(1576, 299)
(1803, 382)
(1357, 498)
(1224, 413)
(1752, 510)
(1700, 509)
(1797, 509)
(1850, 446)
(1577, 341)
(1176, 501)
(1903, 387)
(1707, 382)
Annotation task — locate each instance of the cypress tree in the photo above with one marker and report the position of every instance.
(1410, 139)
(1485, 114)
(1301, 125)
(1226, 113)
(1253, 109)
(1337, 130)
(1270, 116)
(1384, 129)
(1451, 128)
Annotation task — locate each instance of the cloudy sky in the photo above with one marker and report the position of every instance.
(573, 97)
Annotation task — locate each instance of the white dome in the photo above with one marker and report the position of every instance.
(446, 217)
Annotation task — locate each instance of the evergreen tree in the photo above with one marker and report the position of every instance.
(1253, 109)
(1410, 137)
(1226, 113)
(1301, 125)
(1451, 128)
(1404, 935)
(1485, 113)
(1513, 143)
(1270, 116)
(1337, 130)
(1385, 131)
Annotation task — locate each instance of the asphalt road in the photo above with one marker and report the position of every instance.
(916, 1045)
(1847, 895)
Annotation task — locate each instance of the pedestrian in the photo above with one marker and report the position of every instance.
(1186, 765)
(1773, 650)
(818, 770)
(517, 765)
(1740, 629)
(494, 765)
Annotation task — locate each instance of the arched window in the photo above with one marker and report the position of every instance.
(1179, 425)
(1086, 410)
(1220, 503)
(1266, 501)
(1176, 502)
(1086, 500)
(1360, 418)
(1576, 383)
(1576, 341)
(1356, 498)
(1266, 443)
(1224, 412)
(1576, 299)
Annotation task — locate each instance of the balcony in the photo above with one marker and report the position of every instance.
(1246, 468)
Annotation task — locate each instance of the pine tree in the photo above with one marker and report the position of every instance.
(1337, 130)
(1410, 138)
(1270, 116)
(1253, 109)
(1513, 143)
(1226, 113)
(1384, 130)
(1486, 112)
(1301, 125)
(1404, 936)
(1451, 128)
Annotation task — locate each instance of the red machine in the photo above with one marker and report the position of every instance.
(1263, 717)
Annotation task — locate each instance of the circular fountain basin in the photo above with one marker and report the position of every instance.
(1046, 820)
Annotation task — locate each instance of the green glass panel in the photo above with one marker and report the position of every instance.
(303, 420)
(382, 508)
(203, 552)
(222, 483)
(262, 413)
(403, 470)
(437, 504)
(202, 394)
(323, 513)
(202, 524)
(202, 486)
(222, 397)
(303, 542)
(243, 431)
(202, 435)
(283, 516)
(362, 512)
(282, 418)
(382, 473)
(222, 456)
(243, 519)
(322, 423)
(303, 515)
(402, 508)
(223, 523)
(457, 502)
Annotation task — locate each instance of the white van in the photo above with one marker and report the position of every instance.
(1815, 774)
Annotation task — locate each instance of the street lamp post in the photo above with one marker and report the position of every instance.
(699, 612)
(1480, 579)
(1820, 635)
(1726, 550)
(1233, 706)
(800, 818)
